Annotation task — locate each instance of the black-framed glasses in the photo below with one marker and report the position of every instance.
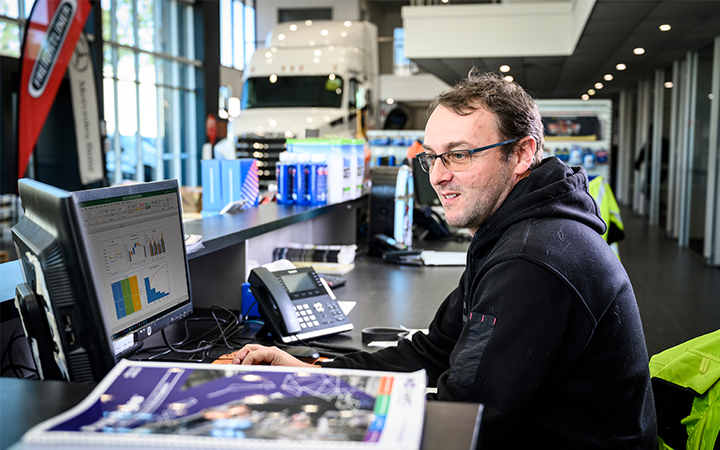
(454, 160)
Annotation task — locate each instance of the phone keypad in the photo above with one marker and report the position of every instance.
(318, 314)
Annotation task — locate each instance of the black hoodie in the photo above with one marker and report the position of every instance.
(543, 328)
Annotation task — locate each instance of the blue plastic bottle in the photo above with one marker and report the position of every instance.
(320, 179)
(285, 171)
(304, 180)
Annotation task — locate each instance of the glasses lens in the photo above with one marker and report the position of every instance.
(457, 160)
(424, 160)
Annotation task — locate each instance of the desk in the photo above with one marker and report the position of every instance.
(26, 403)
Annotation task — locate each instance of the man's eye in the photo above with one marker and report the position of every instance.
(458, 156)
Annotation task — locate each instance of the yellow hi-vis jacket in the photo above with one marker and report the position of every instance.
(609, 211)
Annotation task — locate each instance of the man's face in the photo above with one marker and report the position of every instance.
(471, 196)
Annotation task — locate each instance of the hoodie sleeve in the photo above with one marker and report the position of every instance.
(430, 352)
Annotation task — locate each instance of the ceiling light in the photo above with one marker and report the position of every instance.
(281, 37)
(293, 27)
(390, 101)
(509, 78)
(585, 97)
(668, 85)
(591, 91)
(665, 27)
(504, 68)
(639, 50)
(308, 23)
(711, 96)
(608, 77)
(598, 86)
(273, 78)
(324, 32)
(621, 66)
(347, 23)
(445, 1)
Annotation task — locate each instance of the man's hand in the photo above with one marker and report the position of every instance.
(253, 354)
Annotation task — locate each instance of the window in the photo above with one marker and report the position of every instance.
(149, 90)
(237, 32)
(401, 65)
(13, 14)
(148, 87)
(292, 91)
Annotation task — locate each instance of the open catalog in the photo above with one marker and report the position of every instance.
(186, 405)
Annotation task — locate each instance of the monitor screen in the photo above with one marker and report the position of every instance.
(103, 269)
(134, 240)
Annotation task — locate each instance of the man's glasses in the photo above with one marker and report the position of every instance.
(454, 160)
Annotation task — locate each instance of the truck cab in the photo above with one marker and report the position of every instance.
(310, 80)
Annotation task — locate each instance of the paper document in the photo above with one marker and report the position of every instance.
(433, 258)
(162, 405)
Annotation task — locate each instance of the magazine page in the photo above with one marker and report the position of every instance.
(185, 405)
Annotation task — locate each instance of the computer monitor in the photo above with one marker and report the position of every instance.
(104, 269)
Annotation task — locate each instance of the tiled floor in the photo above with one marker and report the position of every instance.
(677, 293)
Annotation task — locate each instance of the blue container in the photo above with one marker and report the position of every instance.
(304, 181)
(286, 171)
(320, 180)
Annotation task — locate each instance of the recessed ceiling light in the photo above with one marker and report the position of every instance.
(621, 66)
(598, 86)
(509, 78)
(504, 68)
(639, 50)
(665, 27)
(591, 91)
(445, 1)
(585, 97)
(608, 77)
(668, 85)
(390, 101)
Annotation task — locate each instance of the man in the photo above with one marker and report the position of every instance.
(543, 328)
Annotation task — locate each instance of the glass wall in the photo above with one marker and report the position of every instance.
(149, 90)
(148, 87)
(237, 32)
(698, 181)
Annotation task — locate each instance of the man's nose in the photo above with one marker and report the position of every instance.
(439, 173)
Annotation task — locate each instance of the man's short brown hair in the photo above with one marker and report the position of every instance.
(516, 112)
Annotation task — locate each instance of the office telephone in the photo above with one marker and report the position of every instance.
(295, 304)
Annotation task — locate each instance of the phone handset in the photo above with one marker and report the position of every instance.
(274, 300)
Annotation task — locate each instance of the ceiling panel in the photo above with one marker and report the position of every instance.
(613, 30)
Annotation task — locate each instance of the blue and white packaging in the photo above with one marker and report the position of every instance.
(240, 181)
(211, 185)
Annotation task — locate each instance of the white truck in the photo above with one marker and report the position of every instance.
(309, 80)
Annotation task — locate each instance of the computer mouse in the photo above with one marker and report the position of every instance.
(301, 351)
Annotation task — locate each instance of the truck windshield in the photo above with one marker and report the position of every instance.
(320, 91)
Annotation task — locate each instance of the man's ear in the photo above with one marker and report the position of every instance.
(524, 154)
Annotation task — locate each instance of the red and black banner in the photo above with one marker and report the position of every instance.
(52, 31)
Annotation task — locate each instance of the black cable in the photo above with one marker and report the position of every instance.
(177, 350)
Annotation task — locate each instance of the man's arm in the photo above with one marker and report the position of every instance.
(430, 352)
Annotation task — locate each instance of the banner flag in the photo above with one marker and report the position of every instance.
(85, 112)
(52, 31)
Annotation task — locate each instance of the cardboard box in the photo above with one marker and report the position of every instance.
(240, 181)
(211, 184)
(191, 199)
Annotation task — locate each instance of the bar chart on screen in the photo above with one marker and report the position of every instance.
(135, 245)
(126, 296)
(156, 243)
(157, 282)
